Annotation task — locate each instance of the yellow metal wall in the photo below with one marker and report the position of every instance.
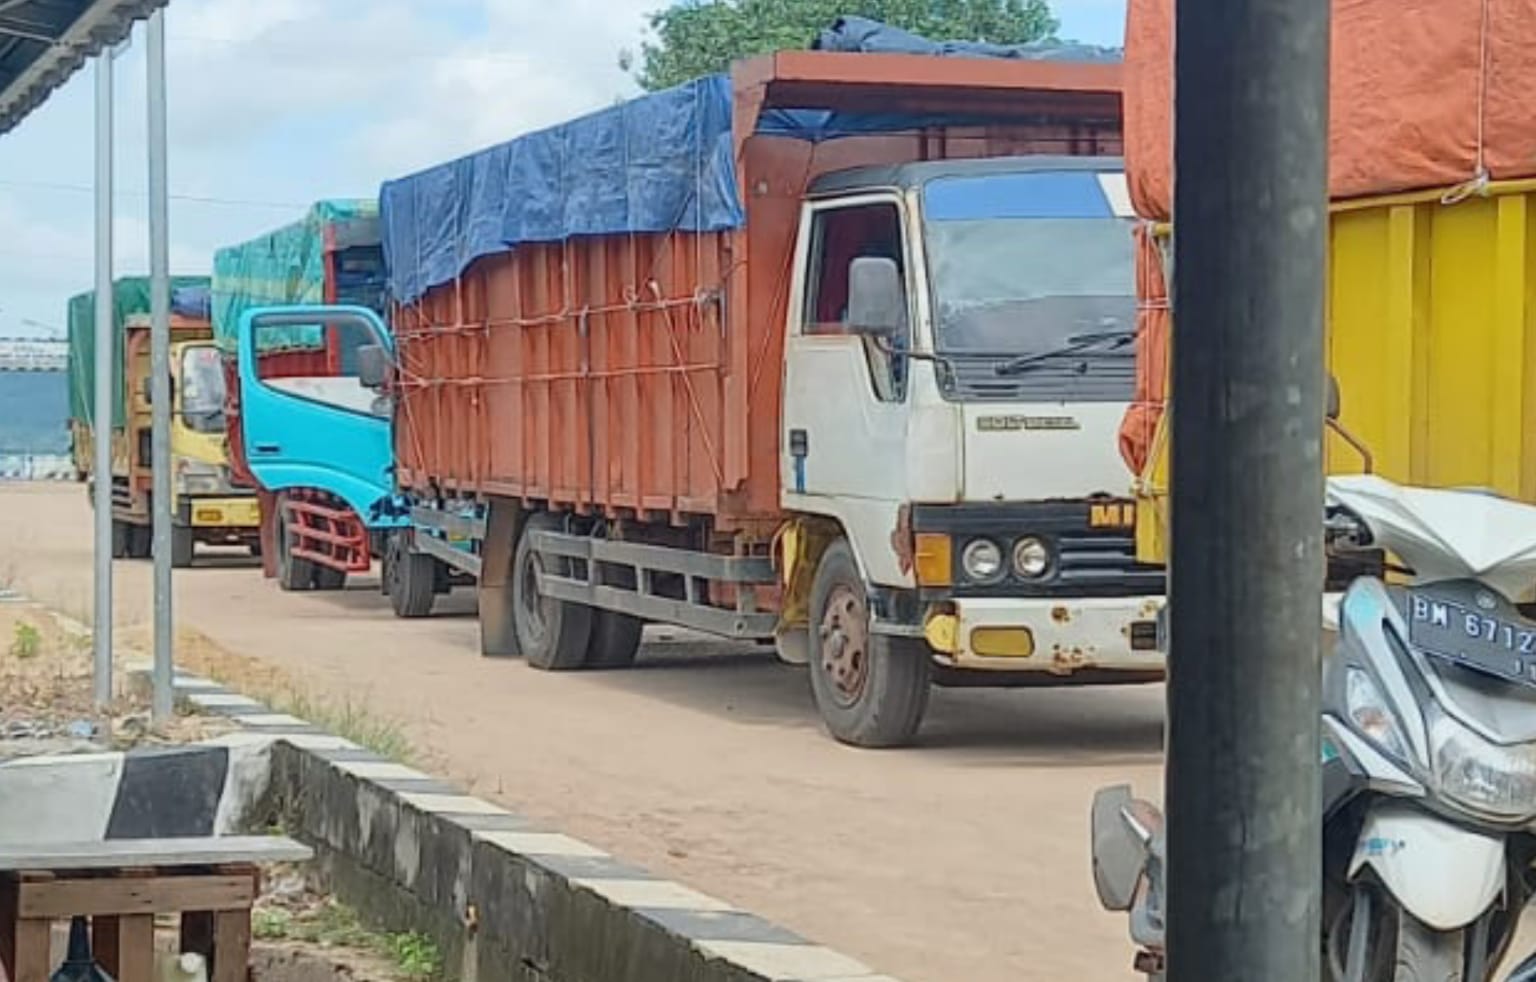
(1432, 336)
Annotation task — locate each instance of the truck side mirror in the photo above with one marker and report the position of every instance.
(876, 301)
(1334, 408)
(373, 366)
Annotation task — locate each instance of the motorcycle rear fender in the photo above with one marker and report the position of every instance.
(1443, 875)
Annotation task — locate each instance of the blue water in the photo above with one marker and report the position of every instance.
(34, 413)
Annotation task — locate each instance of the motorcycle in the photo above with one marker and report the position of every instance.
(1429, 746)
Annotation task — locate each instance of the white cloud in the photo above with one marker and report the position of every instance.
(278, 103)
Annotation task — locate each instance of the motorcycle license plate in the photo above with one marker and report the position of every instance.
(1479, 631)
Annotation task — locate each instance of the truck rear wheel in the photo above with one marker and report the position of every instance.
(553, 634)
(411, 579)
(872, 691)
(615, 639)
(293, 572)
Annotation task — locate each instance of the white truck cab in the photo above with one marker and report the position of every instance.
(959, 354)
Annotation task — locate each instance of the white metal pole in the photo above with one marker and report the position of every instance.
(106, 364)
(160, 362)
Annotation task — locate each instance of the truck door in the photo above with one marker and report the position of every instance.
(322, 427)
(845, 398)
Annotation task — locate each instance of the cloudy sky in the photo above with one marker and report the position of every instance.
(278, 103)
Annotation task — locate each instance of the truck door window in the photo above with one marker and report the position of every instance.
(318, 362)
(202, 389)
(838, 237)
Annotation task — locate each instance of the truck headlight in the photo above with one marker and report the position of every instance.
(1371, 716)
(982, 561)
(1031, 558)
(1483, 777)
(197, 477)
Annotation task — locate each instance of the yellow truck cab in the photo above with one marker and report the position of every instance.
(207, 507)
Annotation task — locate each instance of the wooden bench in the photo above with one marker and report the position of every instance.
(121, 886)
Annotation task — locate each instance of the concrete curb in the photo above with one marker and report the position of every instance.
(504, 899)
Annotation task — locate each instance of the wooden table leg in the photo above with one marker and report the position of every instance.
(231, 946)
(34, 939)
(8, 928)
(107, 943)
(136, 948)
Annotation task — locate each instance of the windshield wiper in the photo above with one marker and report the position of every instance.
(1076, 344)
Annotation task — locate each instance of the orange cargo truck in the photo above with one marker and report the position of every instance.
(830, 353)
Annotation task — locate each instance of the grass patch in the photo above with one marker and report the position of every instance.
(331, 924)
(348, 720)
(26, 640)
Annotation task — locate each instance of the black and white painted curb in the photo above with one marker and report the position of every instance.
(504, 897)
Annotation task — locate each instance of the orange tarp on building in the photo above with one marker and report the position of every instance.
(1425, 94)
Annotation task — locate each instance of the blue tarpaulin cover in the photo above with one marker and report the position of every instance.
(860, 34)
(659, 163)
(193, 301)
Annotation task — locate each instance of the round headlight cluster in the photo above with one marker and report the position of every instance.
(1031, 558)
(984, 561)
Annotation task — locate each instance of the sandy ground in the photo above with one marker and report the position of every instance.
(964, 859)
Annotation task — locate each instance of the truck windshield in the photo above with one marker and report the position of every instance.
(1023, 265)
(202, 389)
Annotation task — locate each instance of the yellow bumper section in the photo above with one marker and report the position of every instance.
(226, 513)
(943, 634)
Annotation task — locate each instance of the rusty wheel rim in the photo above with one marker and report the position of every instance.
(844, 649)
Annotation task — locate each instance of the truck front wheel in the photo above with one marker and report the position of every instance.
(552, 634)
(293, 572)
(871, 690)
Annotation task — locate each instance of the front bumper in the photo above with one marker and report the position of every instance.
(223, 513)
(1060, 637)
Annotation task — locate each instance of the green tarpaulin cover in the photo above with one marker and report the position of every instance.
(130, 296)
(289, 266)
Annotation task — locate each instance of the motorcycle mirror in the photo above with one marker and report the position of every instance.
(1119, 855)
(1335, 409)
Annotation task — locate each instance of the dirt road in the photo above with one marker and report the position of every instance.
(964, 859)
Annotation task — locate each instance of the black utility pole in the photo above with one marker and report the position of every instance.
(1250, 221)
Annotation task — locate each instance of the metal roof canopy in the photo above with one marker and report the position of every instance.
(44, 42)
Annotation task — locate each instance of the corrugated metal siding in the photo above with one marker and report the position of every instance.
(30, 68)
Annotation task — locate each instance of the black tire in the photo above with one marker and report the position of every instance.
(183, 547)
(1427, 955)
(120, 533)
(330, 578)
(871, 692)
(411, 578)
(615, 639)
(255, 549)
(293, 572)
(141, 542)
(552, 634)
